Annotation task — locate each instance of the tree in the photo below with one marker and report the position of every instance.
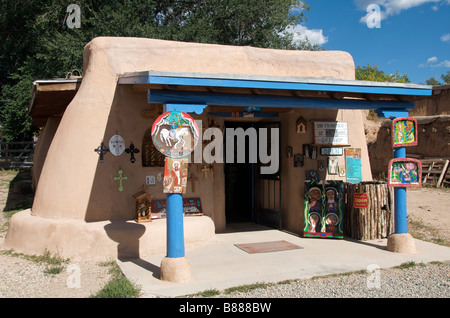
(37, 43)
(446, 77)
(372, 73)
(432, 81)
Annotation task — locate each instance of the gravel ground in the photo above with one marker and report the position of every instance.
(430, 280)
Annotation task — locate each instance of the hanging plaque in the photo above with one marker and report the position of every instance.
(405, 172)
(175, 175)
(116, 145)
(175, 134)
(404, 132)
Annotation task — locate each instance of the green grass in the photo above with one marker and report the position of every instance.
(55, 264)
(119, 286)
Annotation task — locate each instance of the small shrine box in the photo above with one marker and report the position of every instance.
(143, 206)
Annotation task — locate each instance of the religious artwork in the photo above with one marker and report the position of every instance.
(353, 165)
(175, 175)
(143, 206)
(333, 167)
(120, 178)
(341, 171)
(330, 133)
(306, 151)
(298, 160)
(313, 152)
(404, 132)
(132, 150)
(116, 145)
(405, 173)
(191, 207)
(175, 134)
(288, 152)
(301, 126)
(324, 209)
(101, 150)
(321, 165)
(312, 175)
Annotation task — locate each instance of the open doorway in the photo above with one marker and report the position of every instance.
(239, 183)
(250, 195)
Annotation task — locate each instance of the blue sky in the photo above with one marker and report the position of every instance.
(413, 37)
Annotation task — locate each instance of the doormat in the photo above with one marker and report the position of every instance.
(265, 247)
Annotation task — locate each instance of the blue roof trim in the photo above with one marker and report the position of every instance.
(252, 84)
(246, 100)
(275, 83)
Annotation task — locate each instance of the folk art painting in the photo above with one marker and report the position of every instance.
(405, 173)
(324, 209)
(404, 132)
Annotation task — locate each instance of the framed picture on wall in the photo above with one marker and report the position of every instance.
(306, 151)
(298, 160)
(333, 167)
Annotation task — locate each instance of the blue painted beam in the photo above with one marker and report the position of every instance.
(400, 204)
(332, 86)
(246, 100)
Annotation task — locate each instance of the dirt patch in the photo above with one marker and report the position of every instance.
(428, 214)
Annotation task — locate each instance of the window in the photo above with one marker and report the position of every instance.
(151, 157)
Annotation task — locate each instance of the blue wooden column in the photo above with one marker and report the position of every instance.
(175, 231)
(400, 204)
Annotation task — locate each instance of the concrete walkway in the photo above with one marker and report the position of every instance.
(221, 265)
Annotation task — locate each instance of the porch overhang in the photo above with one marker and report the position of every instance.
(274, 92)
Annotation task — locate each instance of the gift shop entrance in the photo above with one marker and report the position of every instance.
(252, 173)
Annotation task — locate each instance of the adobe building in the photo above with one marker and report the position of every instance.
(84, 207)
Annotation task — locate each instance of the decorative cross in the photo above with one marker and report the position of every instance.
(192, 179)
(120, 178)
(132, 150)
(205, 169)
(101, 150)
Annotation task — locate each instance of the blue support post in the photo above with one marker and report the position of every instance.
(400, 204)
(175, 231)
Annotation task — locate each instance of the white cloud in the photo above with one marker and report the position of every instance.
(432, 62)
(445, 37)
(301, 33)
(393, 7)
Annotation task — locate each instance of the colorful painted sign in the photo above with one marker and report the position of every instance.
(330, 133)
(360, 201)
(405, 172)
(175, 134)
(191, 207)
(324, 209)
(404, 132)
(353, 165)
(175, 175)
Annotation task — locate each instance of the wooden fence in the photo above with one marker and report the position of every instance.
(16, 155)
(377, 220)
(435, 172)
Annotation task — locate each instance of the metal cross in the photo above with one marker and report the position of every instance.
(101, 150)
(120, 178)
(132, 150)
